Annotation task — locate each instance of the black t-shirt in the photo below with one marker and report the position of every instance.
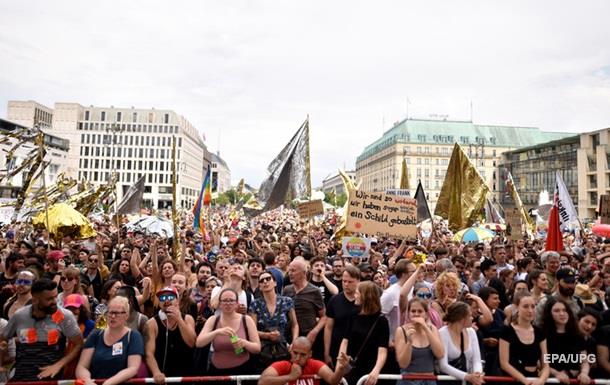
(7, 293)
(357, 331)
(337, 282)
(520, 354)
(341, 310)
(568, 344)
(323, 290)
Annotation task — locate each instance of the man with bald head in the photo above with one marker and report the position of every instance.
(308, 305)
(301, 364)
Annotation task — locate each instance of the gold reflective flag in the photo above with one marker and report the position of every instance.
(348, 187)
(512, 189)
(404, 176)
(463, 193)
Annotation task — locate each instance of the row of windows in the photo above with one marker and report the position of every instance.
(149, 128)
(128, 152)
(124, 165)
(445, 151)
(128, 140)
(118, 117)
(126, 177)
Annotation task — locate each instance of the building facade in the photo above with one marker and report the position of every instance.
(221, 174)
(427, 146)
(29, 114)
(593, 172)
(56, 154)
(134, 142)
(534, 168)
(334, 182)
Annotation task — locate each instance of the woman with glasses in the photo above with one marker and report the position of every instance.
(233, 336)
(70, 284)
(271, 313)
(114, 353)
(417, 343)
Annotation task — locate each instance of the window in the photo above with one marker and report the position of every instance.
(427, 172)
(419, 172)
(419, 150)
(103, 116)
(427, 161)
(427, 150)
(418, 160)
(151, 117)
(87, 114)
(118, 116)
(166, 119)
(134, 117)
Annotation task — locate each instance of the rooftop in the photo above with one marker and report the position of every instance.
(420, 131)
(217, 159)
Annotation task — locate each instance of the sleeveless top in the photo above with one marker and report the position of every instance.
(422, 359)
(171, 350)
(224, 356)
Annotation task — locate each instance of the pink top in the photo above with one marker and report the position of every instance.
(224, 356)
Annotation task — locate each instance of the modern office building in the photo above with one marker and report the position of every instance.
(427, 146)
(593, 160)
(534, 168)
(221, 174)
(134, 142)
(333, 182)
(56, 154)
(29, 114)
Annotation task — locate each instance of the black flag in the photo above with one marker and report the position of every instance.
(132, 199)
(423, 212)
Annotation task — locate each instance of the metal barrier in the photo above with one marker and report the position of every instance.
(168, 380)
(432, 377)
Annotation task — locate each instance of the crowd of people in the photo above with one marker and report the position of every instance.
(273, 295)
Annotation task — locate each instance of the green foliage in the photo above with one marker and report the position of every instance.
(230, 197)
(338, 200)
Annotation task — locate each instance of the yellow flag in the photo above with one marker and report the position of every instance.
(404, 176)
(463, 193)
(348, 186)
(512, 189)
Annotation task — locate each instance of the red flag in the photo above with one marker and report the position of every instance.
(554, 240)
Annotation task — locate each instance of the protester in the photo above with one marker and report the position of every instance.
(114, 353)
(367, 335)
(233, 336)
(523, 346)
(43, 330)
(23, 293)
(301, 364)
(462, 358)
(418, 343)
(170, 338)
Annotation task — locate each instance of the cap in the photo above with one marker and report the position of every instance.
(73, 300)
(566, 274)
(55, 255)
(167, 290)
(585, 294)
(365, 267)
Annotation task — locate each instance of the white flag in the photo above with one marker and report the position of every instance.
(567, 212)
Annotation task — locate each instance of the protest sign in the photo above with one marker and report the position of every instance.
(310, 208)
(356, 247)
(514, 220)
(604, 209)
(381, 214)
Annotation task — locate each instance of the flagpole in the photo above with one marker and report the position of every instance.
(44, 187)
(175, 243)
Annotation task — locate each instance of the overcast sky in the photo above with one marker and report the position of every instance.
(247, 73)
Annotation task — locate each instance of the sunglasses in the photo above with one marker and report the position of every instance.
(265, 279)
(64, 279)
(424, 295)
(92, 260)
(167, 297)
(24, 282)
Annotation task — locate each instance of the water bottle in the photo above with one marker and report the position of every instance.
(238, 350)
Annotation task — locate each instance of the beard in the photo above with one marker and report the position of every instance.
(566, 291)
(49, 309)
(201, 282)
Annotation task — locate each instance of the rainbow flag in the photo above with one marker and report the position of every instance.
(205, 198)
